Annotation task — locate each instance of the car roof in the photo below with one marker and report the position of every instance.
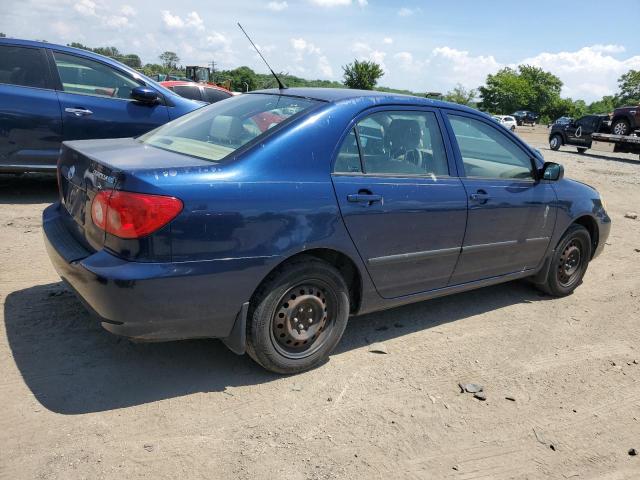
(338, 95)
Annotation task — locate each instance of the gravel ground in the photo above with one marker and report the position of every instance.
(80, 403)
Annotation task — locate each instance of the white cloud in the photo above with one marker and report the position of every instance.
(324, 67)
(128, 11)
(589, 72)
(85, 7)
(116, 21)
(301, 46)
(387, 40)
(364, 51)
(277, 6)
(338, 3)
(175, 22)
(407, 12)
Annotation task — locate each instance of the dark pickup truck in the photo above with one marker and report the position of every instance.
(625, 120)
(578, 132)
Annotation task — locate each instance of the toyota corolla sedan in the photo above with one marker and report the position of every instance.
(266, 220)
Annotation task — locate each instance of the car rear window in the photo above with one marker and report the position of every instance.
(213, 95)
(188, 91)
(216, 131)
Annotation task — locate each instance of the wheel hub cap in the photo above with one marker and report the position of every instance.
(570, 263)
(301, 319)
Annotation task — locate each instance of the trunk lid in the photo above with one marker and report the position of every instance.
(86, 167)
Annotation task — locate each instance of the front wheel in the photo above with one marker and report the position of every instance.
(555, 142)
(569, 262)
(298, 316)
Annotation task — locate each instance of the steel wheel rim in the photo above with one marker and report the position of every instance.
(570, 264)
(554, 142)
(303, 319)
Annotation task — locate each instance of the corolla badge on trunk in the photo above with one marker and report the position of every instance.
(71, 172)
(104, 177)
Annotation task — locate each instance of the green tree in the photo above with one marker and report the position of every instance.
(131, 60)
(461, 95)
(2, 35)
(527, 88)
(607, 104)
(629, 84)
(79, 45)
(362, 74)
(169, 60)
(112, 52)
(241, 78)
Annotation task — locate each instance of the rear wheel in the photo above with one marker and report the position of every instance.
(620, 127)
(298, 316)
(555, 142)
(569, 262)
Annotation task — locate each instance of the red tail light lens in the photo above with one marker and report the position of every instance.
(133, 215)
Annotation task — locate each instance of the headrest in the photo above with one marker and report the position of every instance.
(404, 134)
(226, 128)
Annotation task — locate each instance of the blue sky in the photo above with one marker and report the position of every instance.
(423, 46)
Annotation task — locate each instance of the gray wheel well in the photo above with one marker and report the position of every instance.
(340, 262)
(591, 225)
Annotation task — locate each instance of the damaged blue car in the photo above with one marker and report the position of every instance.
(268, 219)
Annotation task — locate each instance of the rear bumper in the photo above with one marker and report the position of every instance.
(155, 301)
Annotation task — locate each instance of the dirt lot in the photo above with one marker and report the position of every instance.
(80, 403)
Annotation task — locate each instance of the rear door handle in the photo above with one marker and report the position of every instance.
(79, 112)
(367, 198)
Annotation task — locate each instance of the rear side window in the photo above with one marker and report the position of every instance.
(212, 95)
(216, 131)
(348, 159)
(87, 77)
(487, 152)
(188, 91)
(22, 66)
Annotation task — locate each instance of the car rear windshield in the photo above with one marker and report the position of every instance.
(216, 131)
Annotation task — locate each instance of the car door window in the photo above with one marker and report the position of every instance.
(25, 67)
(402, 143)
(188, 91)
(87, 77)
(212, 95)
(488, 153)
(348, 159)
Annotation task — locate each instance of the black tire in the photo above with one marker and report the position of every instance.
(513, 128)
(581, 150)
(315, 292)
(620, 127)
(555, 142)
(569, 263)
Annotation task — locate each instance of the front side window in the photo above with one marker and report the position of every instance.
(487, 152)
(87, 77)
(212, 95)
(25, 67)
(213, 132)
(397, 143)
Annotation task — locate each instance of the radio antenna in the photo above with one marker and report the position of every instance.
(281, 85)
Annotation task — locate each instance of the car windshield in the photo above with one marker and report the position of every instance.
(214, 132)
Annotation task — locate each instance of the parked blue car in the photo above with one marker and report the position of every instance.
(50, 93)
(267, 219)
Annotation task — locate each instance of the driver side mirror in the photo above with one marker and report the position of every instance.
(144, 95)
(552, 171)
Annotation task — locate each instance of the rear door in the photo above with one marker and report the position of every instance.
(579, 132)
(511, 214)
(95, 100)
(401, 200)
(30, 122)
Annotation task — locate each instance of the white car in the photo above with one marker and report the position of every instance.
(507, 121)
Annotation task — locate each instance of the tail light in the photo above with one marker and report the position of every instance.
(133, 215)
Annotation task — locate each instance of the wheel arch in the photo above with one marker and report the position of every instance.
(591, 224)
(339, 260)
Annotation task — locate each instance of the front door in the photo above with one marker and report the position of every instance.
(511, 214)
(95, 101)
(403, 205)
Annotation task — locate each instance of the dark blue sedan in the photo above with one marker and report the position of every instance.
(50, 93)
(267, 219)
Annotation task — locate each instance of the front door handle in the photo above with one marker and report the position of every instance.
(480, 196)
(79, 112)
(367, 198)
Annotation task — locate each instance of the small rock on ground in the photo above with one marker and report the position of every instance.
(631, 215)
(378, 348)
